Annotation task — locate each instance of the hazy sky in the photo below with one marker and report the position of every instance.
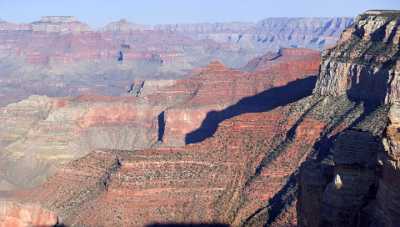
(100, 12)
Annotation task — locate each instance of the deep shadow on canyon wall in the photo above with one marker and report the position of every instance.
(262, 102)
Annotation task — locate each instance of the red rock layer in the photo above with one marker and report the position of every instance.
(216, 86)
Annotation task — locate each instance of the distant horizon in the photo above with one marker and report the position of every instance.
(98, 13)
(199, 22)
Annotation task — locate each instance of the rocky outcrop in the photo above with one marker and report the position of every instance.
(48, 24)
(347, 182)
(125, 26)
(385, 210)
(59, 24)
(363, 64)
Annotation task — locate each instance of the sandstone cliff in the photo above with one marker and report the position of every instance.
(350, 181)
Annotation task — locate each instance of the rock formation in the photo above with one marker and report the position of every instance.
(351, 180)
(59, 24)
(124, 26)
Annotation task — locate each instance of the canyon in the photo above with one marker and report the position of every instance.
(61, 56)
(288, 137)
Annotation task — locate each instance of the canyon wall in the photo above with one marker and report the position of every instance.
(351, 179)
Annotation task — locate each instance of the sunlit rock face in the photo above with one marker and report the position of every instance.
(351, 181)
(364, 61)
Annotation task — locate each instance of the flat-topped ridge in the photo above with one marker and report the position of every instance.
(58, 19)
(379, 12)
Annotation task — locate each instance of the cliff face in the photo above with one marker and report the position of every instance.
(350, 181)
(364, 61)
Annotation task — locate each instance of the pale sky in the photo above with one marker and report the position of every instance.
(99, 12)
